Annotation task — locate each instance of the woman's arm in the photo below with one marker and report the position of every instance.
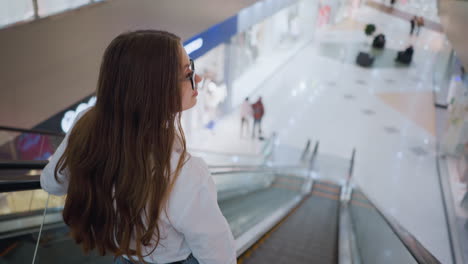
(48, 181)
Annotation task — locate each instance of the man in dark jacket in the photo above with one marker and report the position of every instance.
(412, 24)
(258, 112)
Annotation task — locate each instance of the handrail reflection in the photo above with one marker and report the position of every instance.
(32, 131)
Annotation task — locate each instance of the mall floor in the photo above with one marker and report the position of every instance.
(385, 112)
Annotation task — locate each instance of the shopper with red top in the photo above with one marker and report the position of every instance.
(258, 112)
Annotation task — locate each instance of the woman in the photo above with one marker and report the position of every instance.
(132, 189)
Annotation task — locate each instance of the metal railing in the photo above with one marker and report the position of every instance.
(31, 131)
(414, 247)
(49, 218)
(420, 254)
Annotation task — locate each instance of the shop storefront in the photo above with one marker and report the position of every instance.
(455, 139)
(212, 89)
(454, 148)
(267, 35)
(263, 47)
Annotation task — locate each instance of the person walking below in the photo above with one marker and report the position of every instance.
(246, 115)
(413, 24)
(258, 112)
(420, 24)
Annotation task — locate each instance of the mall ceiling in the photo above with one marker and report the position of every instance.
(454, 17)
(51, 63)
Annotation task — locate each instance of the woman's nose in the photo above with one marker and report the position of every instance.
(198, 78)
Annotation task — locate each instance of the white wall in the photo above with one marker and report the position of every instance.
(49, 64)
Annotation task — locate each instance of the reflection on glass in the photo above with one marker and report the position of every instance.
(15, 11)
(21, 217)
(21, 214)
(26, 201)
(49, 7)
(27, 146)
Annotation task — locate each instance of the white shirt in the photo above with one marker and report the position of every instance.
(196, 223)
(246, 110)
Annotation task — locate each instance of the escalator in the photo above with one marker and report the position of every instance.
(308, 235)
(304, 213)
(270, 199)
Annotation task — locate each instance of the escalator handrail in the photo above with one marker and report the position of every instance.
(415, 248)
(23, 165)
(33, 181)
(32, 131)
(20, 185)
(194, 150)
(254, 169)
(20, 182)
(40, 164)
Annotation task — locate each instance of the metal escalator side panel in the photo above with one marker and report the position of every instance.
(376, 241)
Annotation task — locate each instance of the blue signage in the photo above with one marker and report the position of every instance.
(201, 43)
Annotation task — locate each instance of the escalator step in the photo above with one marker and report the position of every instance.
(309, 235)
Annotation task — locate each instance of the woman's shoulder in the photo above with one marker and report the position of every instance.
(193, 177)
(194, 169)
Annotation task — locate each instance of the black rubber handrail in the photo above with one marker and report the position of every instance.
(32, 131)
(20, 182)
(442, 106)
(17, 186)
(23, 165)
(313, 157)
(306, 150)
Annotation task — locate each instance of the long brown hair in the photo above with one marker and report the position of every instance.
(119, 153)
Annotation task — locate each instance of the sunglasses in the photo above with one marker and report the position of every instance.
(191, 75)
